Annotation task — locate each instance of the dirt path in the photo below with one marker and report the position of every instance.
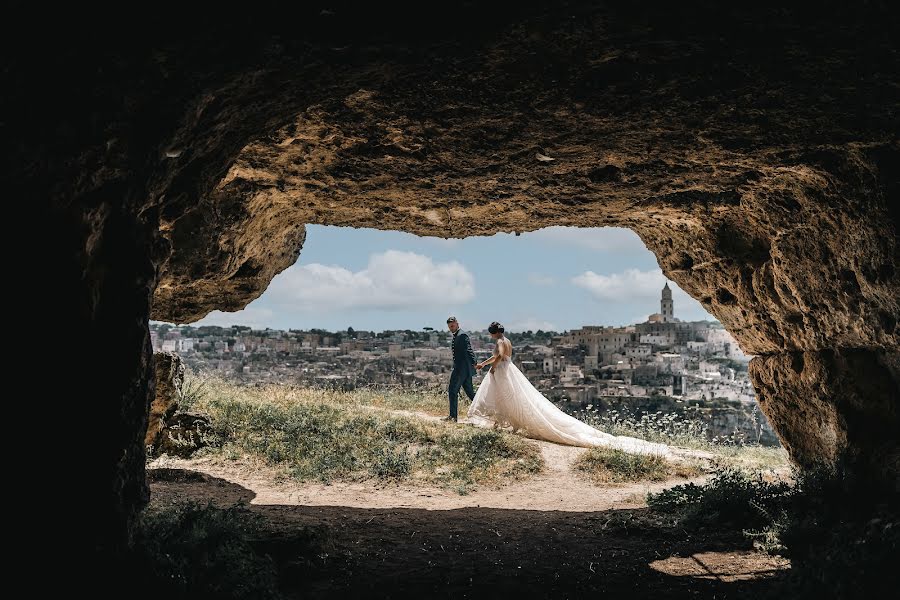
(554, 535)
(557, 488)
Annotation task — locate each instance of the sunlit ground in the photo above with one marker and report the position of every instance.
(722, 566)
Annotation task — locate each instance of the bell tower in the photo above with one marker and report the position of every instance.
(666, 305)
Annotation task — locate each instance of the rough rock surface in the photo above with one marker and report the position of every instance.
(787, 248)
(835, 406)
(170, 430)
(184, 433)
(764, 200)
(169, 378)
(169, 370)
(172, 168)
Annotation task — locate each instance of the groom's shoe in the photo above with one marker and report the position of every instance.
(448, 418)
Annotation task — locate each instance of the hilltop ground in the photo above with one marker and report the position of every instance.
(548, 530)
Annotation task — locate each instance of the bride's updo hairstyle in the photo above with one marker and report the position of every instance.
(495, 327)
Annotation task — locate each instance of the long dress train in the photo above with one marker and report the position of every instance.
(507, 398)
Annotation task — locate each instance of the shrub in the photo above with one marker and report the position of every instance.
(731, 496)
(613, 465)
(391, 462)
(467, 456)
(841, 536)
(685, 429)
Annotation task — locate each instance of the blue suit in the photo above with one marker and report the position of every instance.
(463, 370)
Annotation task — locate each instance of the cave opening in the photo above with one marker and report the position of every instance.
(373, 285)
(172, 169)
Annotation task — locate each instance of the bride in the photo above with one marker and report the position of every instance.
(507, 398)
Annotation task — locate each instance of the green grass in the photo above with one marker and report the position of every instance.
(841, 533)
(610, 465)
(317, 435)
(433, 401)
(749, 457)
(429, 400)
(733, 496)
(675, 430)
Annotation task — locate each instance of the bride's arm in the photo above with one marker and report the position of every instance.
(491, 360)
(500, 355)
(486, 362)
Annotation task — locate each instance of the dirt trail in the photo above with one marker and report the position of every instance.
(553, 535)
(559, 487)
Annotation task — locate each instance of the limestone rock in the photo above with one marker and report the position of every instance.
(784, 225)
(169, 370)
(184, 434)
(170, 431)
(835, 408)
(171, 168)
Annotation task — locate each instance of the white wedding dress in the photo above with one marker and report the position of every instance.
(506, 398)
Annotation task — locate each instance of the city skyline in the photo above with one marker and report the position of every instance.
(553, 279)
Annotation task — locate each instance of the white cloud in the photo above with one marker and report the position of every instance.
(610, 239)
(257, 318)
(531, 323)
(628, 285)
(640, 288)
(538, 279)
(392, 280)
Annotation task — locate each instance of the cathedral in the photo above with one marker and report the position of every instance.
(664, 329)
(666, 312)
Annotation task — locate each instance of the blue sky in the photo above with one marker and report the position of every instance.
(557, 278)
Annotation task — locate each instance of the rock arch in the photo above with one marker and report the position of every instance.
(751, 150)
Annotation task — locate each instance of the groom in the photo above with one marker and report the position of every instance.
(463, 367)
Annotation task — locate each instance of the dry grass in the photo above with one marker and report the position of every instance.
(751, 457)
(674, 430)
(353, 436)
(609, 465)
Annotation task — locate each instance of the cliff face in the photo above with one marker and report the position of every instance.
(751, 151)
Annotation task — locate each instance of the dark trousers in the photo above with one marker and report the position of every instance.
(459, 381)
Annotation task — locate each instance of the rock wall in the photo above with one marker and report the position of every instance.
(171, 169)
(169, 377)
(838, 407)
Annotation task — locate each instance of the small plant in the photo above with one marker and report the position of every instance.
(841, 536)
(688, 431)
(605, 465)
(468, 456)
(731, 496)
(391, 462)
(193, 391)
